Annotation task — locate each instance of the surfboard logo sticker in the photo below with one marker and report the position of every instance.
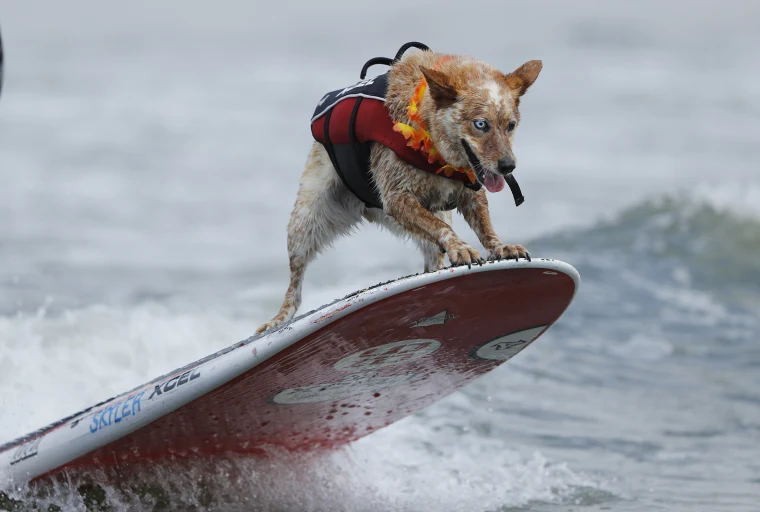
(115, 413)
(363, 366)
(390, 354)
(350, 385)
(438, 319)
(175, 382)
(27, 450)
(503, 348)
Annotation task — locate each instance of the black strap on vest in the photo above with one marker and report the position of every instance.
(361, 153)
(360, 184)
(331, 150)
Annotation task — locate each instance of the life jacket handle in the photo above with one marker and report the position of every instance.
(372, 62)
(389, 62)
(411, 44)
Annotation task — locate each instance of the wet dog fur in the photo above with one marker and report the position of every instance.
(462, 92)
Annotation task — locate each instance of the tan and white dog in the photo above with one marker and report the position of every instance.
(471, 112)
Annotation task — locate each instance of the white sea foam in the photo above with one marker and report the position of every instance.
(54, 365)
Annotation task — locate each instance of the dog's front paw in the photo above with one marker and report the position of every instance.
(460, 253)
(508, 252)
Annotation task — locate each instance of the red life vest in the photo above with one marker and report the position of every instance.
(348, 121)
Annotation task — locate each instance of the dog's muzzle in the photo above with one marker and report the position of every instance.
(506, 166)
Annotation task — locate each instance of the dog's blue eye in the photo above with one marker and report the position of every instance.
(481, 125)
(511, 126)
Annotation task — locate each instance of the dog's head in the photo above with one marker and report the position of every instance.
(473, 114)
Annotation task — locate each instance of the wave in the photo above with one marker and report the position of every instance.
(359, 480)
(679, 240)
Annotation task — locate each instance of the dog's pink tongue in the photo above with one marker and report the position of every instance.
(494, 182)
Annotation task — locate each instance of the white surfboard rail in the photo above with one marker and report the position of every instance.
(49, 448)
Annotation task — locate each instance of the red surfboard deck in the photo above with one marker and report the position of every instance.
(369, 360)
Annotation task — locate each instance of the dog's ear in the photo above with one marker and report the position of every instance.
(523, 77)
(441, 90)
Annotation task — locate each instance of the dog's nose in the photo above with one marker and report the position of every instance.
(506, 164)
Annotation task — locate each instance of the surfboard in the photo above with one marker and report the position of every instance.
(319, 382)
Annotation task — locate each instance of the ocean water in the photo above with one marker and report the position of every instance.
(149, 157)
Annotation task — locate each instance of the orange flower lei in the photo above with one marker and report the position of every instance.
(419, 137)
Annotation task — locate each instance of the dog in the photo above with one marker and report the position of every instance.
(458, 112)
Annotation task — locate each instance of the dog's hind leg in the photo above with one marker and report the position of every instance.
(432, 256)
(324, 210)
